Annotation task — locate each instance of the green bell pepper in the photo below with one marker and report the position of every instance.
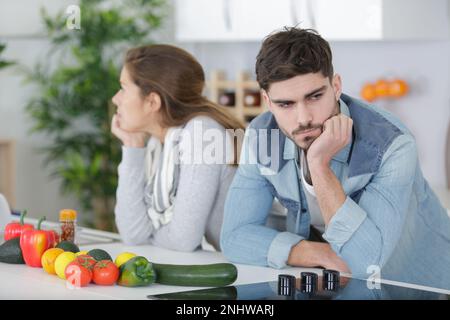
(136, 272)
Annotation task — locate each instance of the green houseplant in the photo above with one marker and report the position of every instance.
(4, 63)
(73, 107)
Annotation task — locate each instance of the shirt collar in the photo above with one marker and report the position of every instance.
(342, 156)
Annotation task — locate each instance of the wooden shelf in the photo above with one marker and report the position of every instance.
(7, 170)
(218, 83)
(253, 111)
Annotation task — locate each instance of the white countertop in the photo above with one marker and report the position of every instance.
(23, 282)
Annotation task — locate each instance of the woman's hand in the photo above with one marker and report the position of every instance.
(129, 139)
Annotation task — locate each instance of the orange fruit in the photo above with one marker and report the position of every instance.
(368, 92)
(48, 259)
(398, 88)
(382, 88)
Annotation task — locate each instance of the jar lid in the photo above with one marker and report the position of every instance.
(67, 214)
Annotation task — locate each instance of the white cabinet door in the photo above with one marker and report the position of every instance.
(255, 19)
(203, 20)
(236, 20)
(252, 20)
(349, 19)
(415, 19)
(381, 19)
(304, 14)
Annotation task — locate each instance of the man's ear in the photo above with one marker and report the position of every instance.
(337, 86)
(266, 99)
(152, 102)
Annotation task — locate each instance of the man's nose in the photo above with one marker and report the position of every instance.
(303, 117)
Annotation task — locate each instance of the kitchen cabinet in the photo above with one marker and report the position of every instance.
(381, 19)
(348, 19)
(203, 20)
(230, 20)
(255, 19)
(252, 20)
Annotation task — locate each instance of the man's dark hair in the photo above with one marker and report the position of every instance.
(292, 52)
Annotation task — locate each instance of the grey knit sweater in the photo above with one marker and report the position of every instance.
(199, 202)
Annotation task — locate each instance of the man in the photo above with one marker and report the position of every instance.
(347, 173)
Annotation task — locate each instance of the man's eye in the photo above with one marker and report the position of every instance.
(316, 96)
(284, 104)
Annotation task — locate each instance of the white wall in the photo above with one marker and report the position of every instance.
(34, 190)
(426, 65)
(20, 28)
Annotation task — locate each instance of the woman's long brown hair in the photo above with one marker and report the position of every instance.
(178, 78)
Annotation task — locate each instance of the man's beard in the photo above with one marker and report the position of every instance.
(310, 139)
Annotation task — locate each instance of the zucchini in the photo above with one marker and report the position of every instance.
(10, 252)
(209, 275)
(222, 293)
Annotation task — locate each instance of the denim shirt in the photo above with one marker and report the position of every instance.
(390, 221)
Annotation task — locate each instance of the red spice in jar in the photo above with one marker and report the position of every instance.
(67, 219)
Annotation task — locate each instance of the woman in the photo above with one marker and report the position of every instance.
(166, 196)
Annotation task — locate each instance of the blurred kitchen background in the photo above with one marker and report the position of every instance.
(71, 72)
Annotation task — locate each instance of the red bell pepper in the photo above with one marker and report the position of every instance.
(34, 243)
(15, 229)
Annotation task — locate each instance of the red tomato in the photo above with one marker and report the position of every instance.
(77, 275)
(86, 261)
(105, 273)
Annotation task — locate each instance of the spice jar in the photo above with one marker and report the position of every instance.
(68, 221)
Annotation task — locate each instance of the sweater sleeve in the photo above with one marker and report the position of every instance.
(135, 226)
(198, 187)
(196, 194)
(197, 190)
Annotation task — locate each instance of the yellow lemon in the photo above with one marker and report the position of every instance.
(48, 259)
(124, 257)
(62, 261)
(81, 253)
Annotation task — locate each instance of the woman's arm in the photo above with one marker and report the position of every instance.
(132, 220)
(198, 187)
(197, 190)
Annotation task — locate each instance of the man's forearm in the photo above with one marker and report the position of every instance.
(329, 192)
(310, 254)
(306, 254)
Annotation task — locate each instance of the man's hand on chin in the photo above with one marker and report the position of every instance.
(337, 132)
